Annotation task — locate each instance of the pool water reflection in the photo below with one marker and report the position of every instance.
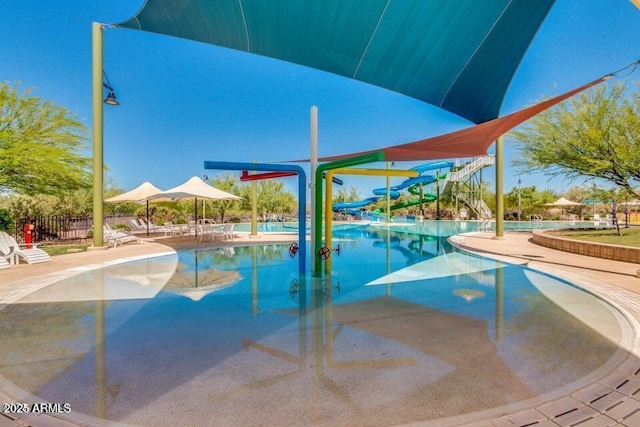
(234, 336)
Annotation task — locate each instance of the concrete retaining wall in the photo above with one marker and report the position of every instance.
(600, 250)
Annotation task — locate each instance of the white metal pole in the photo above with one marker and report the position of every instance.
(313, 140)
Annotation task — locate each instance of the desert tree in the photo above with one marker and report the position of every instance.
(40, 145)
(593, 135)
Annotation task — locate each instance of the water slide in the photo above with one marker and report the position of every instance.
(427, 198)
(411, 184)
(346, 206)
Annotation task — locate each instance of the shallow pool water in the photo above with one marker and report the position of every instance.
(404, 329)
(441, 228)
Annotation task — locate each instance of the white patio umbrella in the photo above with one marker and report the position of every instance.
(562, 202)
(195, 188)
(138, 194)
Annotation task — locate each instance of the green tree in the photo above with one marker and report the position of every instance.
(346, 195)
(39, 146)
(226, 182)
(271, 196)
(532, 201)
(596, 134)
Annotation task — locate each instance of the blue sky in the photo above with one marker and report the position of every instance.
(184, 102)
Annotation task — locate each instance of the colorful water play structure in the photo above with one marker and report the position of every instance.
(413, 185)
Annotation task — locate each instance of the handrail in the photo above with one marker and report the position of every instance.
(478, 163)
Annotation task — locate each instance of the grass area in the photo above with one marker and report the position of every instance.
(63, 249)
(629, 236)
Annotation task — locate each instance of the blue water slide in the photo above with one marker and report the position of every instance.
(354, 205)
(433, 166)
(393, 192)
(423, 179)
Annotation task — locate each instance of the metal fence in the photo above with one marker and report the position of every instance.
(64, 228)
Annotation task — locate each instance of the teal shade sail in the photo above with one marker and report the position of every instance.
(457, 55)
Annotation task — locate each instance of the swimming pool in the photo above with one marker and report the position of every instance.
(405, 329)
(445, 225)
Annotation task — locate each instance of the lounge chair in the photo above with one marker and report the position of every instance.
(16, 251)
(115, 237)
(137, 228)
(152, 227)
(6, 254)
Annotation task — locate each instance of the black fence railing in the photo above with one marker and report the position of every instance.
(59, 227)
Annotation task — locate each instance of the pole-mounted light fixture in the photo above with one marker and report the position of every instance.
(111, 97)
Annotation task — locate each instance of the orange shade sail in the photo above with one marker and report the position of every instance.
(469, 142)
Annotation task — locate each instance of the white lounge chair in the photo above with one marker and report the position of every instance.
(6, 252)
(137, 228)
(115, 237)
(16, 251)
(152, 227)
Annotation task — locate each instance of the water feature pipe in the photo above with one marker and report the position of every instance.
(302, 195)
(316, 230)
(328, 211)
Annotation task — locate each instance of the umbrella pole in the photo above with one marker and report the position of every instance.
(147, 218)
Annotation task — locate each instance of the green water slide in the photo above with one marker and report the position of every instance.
(426, 198)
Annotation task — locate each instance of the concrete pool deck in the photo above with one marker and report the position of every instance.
(612, 401)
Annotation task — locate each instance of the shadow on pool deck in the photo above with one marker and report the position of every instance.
(150, 246)
(614, 400)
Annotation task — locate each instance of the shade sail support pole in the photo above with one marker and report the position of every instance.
(254, 208)
(313, 145)
(98, 178)
(388, 205)
(499, 188)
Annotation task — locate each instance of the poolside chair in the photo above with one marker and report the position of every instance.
(6, 254)
(191, 226)
(31, 255)
(137, 228)
(115, 237)
(610, 220)
(227, 231)
(171, 229)
(152, 227)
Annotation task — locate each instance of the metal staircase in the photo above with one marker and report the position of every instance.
(477, 205)
(465, 172)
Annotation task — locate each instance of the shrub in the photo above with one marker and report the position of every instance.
(6, 221)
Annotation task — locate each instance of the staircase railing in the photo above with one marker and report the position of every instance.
(467, 170)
